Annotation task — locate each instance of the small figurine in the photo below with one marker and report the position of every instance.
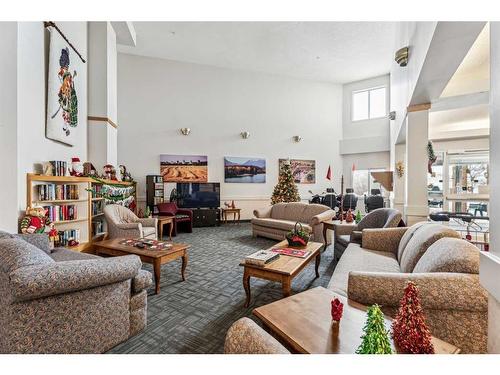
(337, 309)
(233, 205)
(109, 172)
(35, 220)
(76, 167)
(89, 169)
(349, 217)
(53, 235)
(48, 169)
(126, 176)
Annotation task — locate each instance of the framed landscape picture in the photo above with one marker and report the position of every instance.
(304, 171)
(244, 170)
(184, 168)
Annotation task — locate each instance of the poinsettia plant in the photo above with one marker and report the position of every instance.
(298, 236)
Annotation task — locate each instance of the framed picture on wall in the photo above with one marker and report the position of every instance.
(184, 168)
(304, 171)
(244, 170)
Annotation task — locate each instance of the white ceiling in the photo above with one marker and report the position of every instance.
(460, 122)
(337, 52)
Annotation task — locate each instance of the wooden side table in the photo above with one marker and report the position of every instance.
(162, 220)
(329, 225)
(235, 211)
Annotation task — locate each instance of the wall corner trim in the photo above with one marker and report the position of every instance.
(103, 119)
(419, 107)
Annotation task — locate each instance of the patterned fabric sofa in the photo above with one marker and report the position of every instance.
(276, 221)
(444, 267)
(62, 301)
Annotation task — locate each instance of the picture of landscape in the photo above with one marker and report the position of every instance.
(304, 171)
(244, 170)
(184, 168)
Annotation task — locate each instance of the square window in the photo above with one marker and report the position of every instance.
(369, 104)
(360, 106)
(377, 103)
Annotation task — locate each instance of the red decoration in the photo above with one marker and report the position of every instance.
(329, 173)
(409, 331)
(349, 218)
(337, 309)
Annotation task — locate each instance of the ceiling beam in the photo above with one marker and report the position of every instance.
(125, 33)
(460, 101)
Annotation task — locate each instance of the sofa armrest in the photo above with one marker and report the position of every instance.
(143, 280)
(438, 290)
(148, 222)
(34, 282)
(357, 236)
(344, 229)
(263, 212)
(386, 239)
(246, 337)
(324, 216)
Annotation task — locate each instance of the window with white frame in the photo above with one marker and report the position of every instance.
(369, 104)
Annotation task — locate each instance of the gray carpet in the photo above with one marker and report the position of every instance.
(193, 316)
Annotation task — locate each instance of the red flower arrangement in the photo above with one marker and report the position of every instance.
(337, 309)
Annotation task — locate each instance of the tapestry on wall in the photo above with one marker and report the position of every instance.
(238, 169)
(62, 90)
(184, 168)
(304, 171)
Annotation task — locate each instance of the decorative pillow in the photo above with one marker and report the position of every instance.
(407, 237)
(16, 253)
(40, 240)
(418, 244)
(449, 255)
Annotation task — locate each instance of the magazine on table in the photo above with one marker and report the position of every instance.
(298, 253)
(261, 257)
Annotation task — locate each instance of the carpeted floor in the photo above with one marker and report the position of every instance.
(193, 316)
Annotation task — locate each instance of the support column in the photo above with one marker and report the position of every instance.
(417, 136)
(398, 201)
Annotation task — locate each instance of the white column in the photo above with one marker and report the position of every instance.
(490, 261)
(416, 208)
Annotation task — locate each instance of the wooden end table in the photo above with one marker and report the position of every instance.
(162, 220)
(154, 257)
(303, 323)
(282, 270)
(330, 225)
(235, 211)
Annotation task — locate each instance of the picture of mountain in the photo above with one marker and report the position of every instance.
(244, 170)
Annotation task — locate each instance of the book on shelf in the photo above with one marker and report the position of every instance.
(158, 179)
(159, 185)
(48, 192)
(96, 191)
(61, 212)
(97, 227)
(59, 167)
(158, 193)
(261, 258)
(158, 200)
(298, 253)
(97, 208)
(66, 235)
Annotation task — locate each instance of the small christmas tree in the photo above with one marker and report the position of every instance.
(286, 189)
(376, 337)
(409, 331)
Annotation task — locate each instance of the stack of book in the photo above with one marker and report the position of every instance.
(61, 213)
(59, 167)
(48, 192)
(96, 191)
(261, 258)
(66, 235)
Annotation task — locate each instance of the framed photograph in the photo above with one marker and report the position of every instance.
(184, 168)
(244, 170)
(304, 171)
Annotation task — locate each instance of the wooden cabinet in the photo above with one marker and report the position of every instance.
(205, 217)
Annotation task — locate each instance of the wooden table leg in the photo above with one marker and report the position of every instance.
(239, 217)
(157, 271)
(246, 286)
(184, 265)
(318, 261)
(160, 230)
(324, 235)
(170, 231)
(286, 286)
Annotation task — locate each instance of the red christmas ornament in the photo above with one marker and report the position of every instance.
(409, 331)
(337, 309)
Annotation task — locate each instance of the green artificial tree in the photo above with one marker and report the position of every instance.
(375, 337)
(358, 217)
(286, 189)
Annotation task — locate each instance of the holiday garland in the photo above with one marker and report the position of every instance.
(375, 339)
(286, 189)
(115, 193)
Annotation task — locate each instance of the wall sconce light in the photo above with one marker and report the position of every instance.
(392, 115)
(400, 169)
(185, 131)
(297, 138)
(401, 56)
(245, 135)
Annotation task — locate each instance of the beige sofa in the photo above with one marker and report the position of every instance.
(276, 221)
(444, 267)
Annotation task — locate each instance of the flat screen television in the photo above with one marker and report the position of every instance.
(198, 195)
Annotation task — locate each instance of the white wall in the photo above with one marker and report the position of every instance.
(8, 126)
(158, 97)
(33, 146)
(368, 160)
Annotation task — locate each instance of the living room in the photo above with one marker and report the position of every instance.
(194, 186)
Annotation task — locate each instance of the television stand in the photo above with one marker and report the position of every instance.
(206, 217)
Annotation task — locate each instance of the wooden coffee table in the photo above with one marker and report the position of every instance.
(303, 323)
(154, 257)
(282, 270)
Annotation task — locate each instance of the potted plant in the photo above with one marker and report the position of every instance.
(298, 237)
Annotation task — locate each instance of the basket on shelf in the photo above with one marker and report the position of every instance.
(298, 237)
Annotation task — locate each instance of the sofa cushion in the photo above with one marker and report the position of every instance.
(407, 237)
(449, 255)
(285, 225)
(355, 258)
(40, 240)
(297, 211)
(16, 253)
(418, 244)
(61, 254)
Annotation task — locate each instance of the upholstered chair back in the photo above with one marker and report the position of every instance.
(117, 214)
(380, 218)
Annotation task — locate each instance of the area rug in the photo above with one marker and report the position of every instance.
(193, 316)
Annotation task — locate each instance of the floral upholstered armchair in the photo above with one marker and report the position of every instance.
(123, 223)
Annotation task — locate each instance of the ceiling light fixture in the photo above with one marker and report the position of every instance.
(297, 138)
(185, 131)
(401, 56)
(245, 135)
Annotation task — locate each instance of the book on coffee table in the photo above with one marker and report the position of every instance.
(261, 258)
(291, 252)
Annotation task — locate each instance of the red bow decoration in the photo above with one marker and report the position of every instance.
(337, 309)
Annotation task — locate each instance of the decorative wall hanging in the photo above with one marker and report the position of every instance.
(184, 168)
(431, 155)
(63, 88)
(400, 169)
(241, 170)
(304, 171)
